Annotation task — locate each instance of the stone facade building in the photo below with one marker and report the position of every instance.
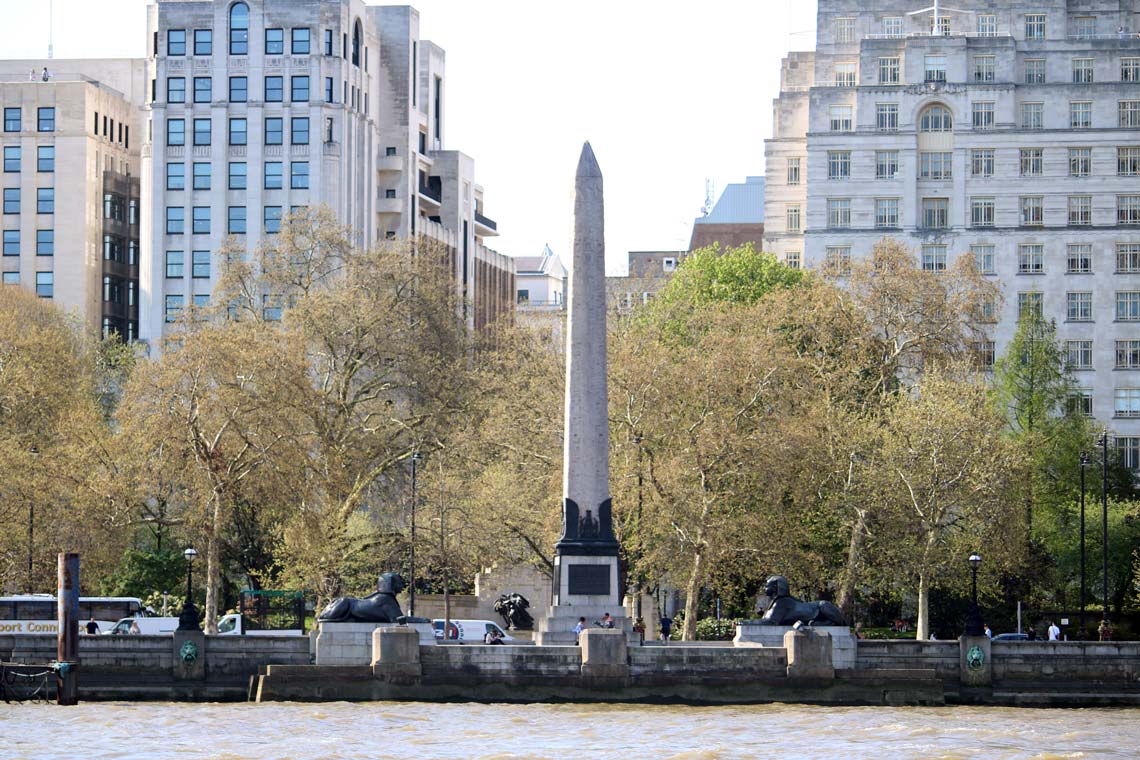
(71, 206)
(1007, 131)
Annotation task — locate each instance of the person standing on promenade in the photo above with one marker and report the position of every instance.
(579, 628)
(92, 627)
(1054, 632)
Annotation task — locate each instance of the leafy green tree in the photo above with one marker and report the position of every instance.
(734, 275)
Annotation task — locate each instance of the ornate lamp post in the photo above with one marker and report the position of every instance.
(1086, 460)
(1103, 442)
(974, 624)
(188, 620)
(416, 458)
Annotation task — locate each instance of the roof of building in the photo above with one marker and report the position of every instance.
(740, 203)
(547, 264)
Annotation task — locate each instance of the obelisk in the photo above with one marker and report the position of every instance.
(585, 582)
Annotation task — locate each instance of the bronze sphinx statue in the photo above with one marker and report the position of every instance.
(380, 607)
(781, 608)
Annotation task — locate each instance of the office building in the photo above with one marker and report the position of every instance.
(736, 218)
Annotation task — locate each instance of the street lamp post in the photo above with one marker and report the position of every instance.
(188, 620)
(1103, 441)
(1085, 462)
(32, 522)
(416, 458)
(974, 624)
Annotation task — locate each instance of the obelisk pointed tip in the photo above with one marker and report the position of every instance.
(587, 164)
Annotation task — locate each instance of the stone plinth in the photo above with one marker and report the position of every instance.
(556, 628)
(975, 667)
(604, 653)
(345, 643)
(396, 652)
(809, 655)
(843, 642)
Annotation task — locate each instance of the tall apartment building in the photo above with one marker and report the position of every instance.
(259, 107)
(71, 206)
(1009, 131)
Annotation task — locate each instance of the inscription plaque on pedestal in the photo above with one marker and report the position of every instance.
(588, 580)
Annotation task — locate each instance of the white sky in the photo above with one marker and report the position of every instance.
(669, 93)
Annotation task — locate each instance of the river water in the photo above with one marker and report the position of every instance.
(342, 731)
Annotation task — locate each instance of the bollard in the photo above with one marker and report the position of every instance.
(67, 650)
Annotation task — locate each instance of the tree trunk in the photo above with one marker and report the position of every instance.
(845, 600)
(922, 630)
(692, 592)
(213, 565)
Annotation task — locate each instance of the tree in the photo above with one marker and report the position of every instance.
(734, 275)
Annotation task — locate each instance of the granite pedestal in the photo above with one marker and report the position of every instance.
(843, 642)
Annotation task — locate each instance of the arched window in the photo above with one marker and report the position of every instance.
(356, 43)
(239, 29)
(936, 118)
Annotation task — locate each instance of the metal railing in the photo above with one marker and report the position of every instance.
(486, 222)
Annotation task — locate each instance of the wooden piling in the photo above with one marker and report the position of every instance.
(67, 654)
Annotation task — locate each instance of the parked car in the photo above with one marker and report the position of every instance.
(149, 626)
(1011, 637)
(470, 631)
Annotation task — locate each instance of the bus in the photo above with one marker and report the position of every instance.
(38, 613)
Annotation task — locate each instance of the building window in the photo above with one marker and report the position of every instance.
(1032, 210)
(983, 258)
(936, 118)
(1084, 27)
(892, 26)
(356, 45)
(934, 258)
(329, 43)
(886, 213)
(1079, 354)
(299, 175)
(840, 118)
(1129, 448)
(201, 220)
(792, 259)
(1127, 258)
(272, 219)
(987, 25)
(11, 278)
(838, 213)
(11, 200)
(845, 74)
(844, 30)
(12, 120)
(1078, 258)
(175, 220)
(1035, 71)
(1082, 71)
(176, 132)
(1080, 401)
(886, 164)
(300, 89)
(522, 297)
(1030, 259)
(300, 42)
(887, 117)
(837, 259)
(1128, 161)
(935, 68)
(943, 26)
(274, 41)
(45, 284)
(889, 70)
(1080, 162)
(239, 29)
(1035, 26)
(201, 175)
(11, 242)
(237, 175)
(1080, 114)
(45, 200)
(986, 354)
(239, 89)
(201, 131)
(1126, 402)
(1078, 306)
(1029, 304)
(1032, 162)
(1128, 209)
(329, 90)
(1080, 210)
(45, 242)
(176, 176)
(173, 307)
(981, 212)
(1129, 111)
(45, 158)
(935, 165)
(982, 162)
(1130, 69)
(792, 217)
(274, 131)
(273, 175)
(1032, 115)
(176, 42)
(1128, 354)
(1128, 305)
(793, 171)
(985, 68)
(113, 207)
(239, 134)
(838, 164)
(300, 130)
(203, 42)
(45, 119)
(935, 213)
(203, 89)
(176, 89)
(200, 265)
(274, 89)
(175, 264)
(983, 113)
(11, 158)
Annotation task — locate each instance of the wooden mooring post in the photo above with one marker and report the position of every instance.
(67, 654)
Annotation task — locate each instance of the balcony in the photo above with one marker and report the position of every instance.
(390, 205)
(431, 189)
(485, 226)
(390, 164)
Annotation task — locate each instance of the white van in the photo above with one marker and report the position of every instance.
(148, 626)
(470, 631)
